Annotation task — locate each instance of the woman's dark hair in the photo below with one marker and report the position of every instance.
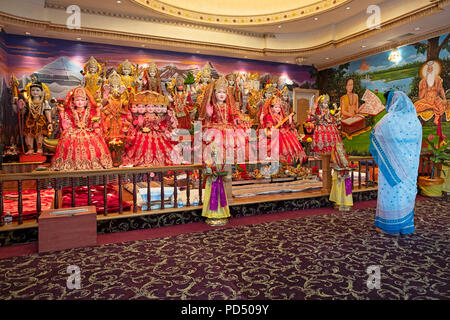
(386, 95)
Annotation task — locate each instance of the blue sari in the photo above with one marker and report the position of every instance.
(395, 144)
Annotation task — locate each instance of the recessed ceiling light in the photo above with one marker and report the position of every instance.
(279, 26)
(78, 38)
(119, 2)
(348, 8)
(315, 19)
(363, 46)
(197, 51)
(27, 33)
(417, 28)
(143, 45)
(327, 58)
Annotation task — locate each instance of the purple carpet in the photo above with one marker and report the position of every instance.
(317, 257)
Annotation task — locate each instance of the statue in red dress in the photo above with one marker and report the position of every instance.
(326, 133)
(152, 79)
(81, 145)
(290, 148)
(182, 104)
(151, 142)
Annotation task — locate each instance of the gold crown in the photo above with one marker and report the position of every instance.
(153, 67)
(206, 71)
(92, 62)
(276, 100)
(79, 92)
(254, 76)
(231, 76)
(126, 64)
(149, 97)
(221, 83)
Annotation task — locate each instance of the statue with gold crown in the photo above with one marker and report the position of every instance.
(219, 118)
(127, 72)
(152, 79)
(115, 110)
(216, 208)
(182, 103)
(326, 133)
(267, 93)
(93, 78)
(204, 85)
(81, 145)
(290, 148)
(35, 115)
(151, 138)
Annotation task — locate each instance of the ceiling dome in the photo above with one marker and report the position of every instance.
(239, 12)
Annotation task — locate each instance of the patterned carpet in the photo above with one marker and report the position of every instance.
(317, 257)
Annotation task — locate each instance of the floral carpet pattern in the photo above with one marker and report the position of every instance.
(315, 257)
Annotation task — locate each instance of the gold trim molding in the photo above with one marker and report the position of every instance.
(177, 44)
(300, 12)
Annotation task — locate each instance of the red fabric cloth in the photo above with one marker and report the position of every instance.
(10, 202)
(81, 198)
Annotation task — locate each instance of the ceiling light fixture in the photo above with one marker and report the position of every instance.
(417, 28)
(119, 2)
(27, 33)
(348, 8)
(327, 58)
(78, 38)
(315, 19)
(279, 27)
(363, 46)
(197, 51)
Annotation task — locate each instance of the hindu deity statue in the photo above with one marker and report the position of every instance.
(152, 143)
(35, 109)
(115, 107)
(93, 78)
(341, 188)
(268, 92)
(221, 122)
(273, 117)
(326, 133)
(205, 85)
(82, 144)
(234, 90)
(182, 103)
(152, 79)
(127, 73)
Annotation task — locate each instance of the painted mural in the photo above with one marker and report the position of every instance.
(421, 70)
(59, 64)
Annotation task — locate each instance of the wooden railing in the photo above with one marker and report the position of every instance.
(56, 176)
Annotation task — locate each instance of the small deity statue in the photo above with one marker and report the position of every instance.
(127, 73)
(182, 103)
(215, 204)
(114, 112)
(93, 78)
(152, 79)
(234, 90)
(267, 93)
(204, 87)
(273, 117)
(326, 134)
(36, 111)
(341, 188)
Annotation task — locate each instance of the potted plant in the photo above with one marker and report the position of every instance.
(432, 186)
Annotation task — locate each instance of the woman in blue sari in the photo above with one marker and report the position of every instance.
(395, 144)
